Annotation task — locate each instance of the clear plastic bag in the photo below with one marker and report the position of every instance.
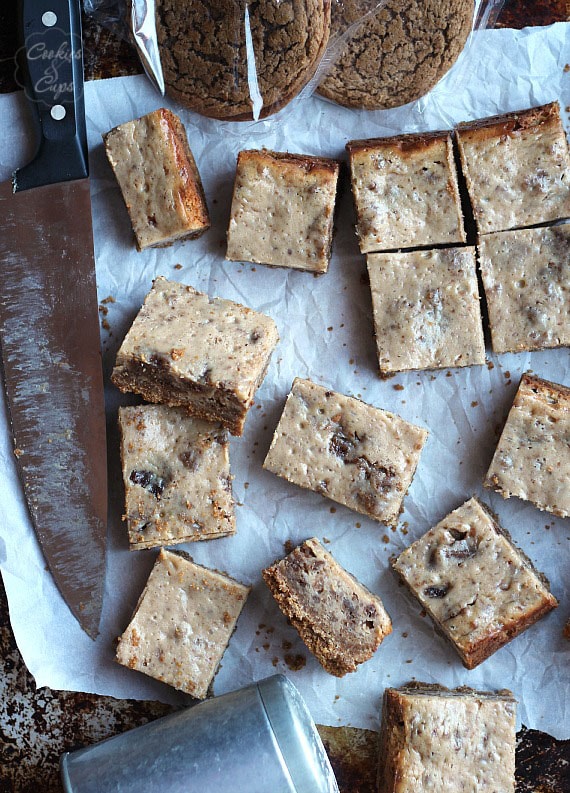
(227, 59)
(386, 54)
(241, 61)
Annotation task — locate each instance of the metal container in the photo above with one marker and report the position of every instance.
(260, 739)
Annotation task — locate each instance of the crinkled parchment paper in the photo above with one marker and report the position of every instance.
(326, 334)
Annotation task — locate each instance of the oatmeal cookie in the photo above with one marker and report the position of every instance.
(204, 52)
(396, 55)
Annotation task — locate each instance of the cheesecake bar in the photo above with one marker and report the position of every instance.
(405, 191)
(434, 739)
(426, 309)
(182, 623)
(340, 620)
(477, 586)
(526, 275)
(355, 454)
(176, 472)
(517, 168)
(188, 349)
(532, 458)
(282, 210)
(158, 178)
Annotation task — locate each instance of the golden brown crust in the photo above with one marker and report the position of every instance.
(419, 143)
(508, 124)
(192, 191)
(306, 161)
(554, 393)
(509, 631)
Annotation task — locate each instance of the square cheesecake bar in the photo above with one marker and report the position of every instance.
(532, 458)
(477, 586)
(433, 739)
(282, 210)
(355, 454)
(158, 178)
(188, 349)
(405, 191)
(426, 309)
(340, 620)
(517, 168)
(526, 274)
(182, 623)
(176, 472)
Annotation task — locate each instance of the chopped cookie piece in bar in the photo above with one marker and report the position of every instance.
(351, 452)
(203, 353)
(426, 309)
(532, 458)
(341, 622)
(282, 210)
(182, 623)
(159, 180)
(176, 471)
(517, 168)
(480, 589)
(405, 191)
(436, 740)
(526, 274)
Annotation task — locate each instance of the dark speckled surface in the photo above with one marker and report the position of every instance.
(37, 725)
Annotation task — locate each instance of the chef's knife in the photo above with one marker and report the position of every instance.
(49, 328)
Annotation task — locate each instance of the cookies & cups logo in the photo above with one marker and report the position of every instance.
(49, 64)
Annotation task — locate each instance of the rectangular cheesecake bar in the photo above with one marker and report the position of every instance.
(426, 309)
(436, 740)
(182, 623)
(158, 178)
(526, 275)
(282, 210)
(477, 586)
(532, 458)
(204, 353)
(405, 191)
(340, 620)
(355, 454)
(176, 472)
(517, 168)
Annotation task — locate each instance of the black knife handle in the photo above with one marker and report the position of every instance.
(52, 65)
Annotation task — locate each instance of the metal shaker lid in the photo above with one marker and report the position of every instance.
(299, 742)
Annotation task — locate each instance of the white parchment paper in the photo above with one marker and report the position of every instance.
(326, 334)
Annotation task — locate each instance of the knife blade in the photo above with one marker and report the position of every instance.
(49, 327)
